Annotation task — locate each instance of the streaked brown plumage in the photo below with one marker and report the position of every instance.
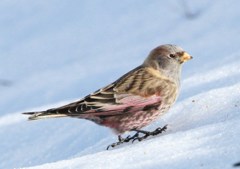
(134, 100)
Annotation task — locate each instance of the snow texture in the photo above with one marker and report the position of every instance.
(55, 52)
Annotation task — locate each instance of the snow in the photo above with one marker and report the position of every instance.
(55, 52)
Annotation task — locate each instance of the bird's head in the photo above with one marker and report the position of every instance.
(167, 59)
(167, 54)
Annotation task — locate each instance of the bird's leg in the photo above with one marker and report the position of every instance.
(123, 140)
(128, 138)
(149, 133)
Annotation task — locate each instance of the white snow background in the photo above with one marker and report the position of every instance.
(54, 52)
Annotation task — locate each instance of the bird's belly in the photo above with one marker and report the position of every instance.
(136, 120)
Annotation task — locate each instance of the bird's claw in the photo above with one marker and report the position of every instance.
(114, 144)
(153, 133)
(123, 140)
(137, 137)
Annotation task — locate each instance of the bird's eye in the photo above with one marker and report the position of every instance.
(172, 56)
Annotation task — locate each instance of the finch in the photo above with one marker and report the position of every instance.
(134, 100)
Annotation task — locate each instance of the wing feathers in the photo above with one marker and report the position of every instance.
(132, 92)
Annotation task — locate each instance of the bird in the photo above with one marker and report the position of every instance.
(134, 100)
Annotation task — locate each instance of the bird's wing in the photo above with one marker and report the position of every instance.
(136, 90)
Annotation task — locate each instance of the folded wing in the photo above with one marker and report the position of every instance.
(135, 91)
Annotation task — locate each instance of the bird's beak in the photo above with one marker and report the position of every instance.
(185, 57)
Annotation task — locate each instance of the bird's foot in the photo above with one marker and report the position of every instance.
(137, 137)
(123, 140)
(147, 133)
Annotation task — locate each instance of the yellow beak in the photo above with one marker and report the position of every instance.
(185, 57)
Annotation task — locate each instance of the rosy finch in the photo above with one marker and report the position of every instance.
(135, 99)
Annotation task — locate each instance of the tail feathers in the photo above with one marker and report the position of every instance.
(42, 115)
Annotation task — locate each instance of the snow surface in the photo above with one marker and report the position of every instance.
(55, 52)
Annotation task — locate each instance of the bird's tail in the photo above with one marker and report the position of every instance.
(42, 115)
